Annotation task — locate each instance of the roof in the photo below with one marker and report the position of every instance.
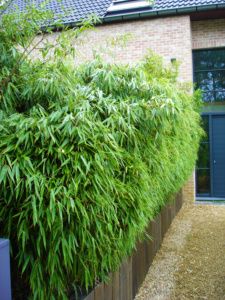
(169, 4)
(76, 10)
(69, 11)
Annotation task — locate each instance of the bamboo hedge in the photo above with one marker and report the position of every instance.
(88, 155)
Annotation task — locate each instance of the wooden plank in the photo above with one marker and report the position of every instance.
(116, 286)
(169, 214)
(167, 218)
(150, 246)
(146, 261)
(141, 263)
(176, 204)
(164, 220)
(108, 288)
(134, 273)
(124, 284)
(138, 267)
(178, 201)
(90, 296)
(130, 270)
(99, 292)
(157, 233)
(181, 198)
(172, 210)
(154, 236)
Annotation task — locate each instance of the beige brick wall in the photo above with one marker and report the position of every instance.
(208, 34)
(169, 37)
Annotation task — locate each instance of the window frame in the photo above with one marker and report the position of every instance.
(199, 71)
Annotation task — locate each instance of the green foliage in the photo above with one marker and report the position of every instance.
(89, 155)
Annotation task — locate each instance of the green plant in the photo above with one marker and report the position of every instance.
(89, 155)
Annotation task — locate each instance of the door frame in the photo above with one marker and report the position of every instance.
(209, 196)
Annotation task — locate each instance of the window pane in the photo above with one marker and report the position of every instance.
(205, 125)
(203, 156)
(219, 80)
(220, 96)
(209, 59)
(203, 181)
(204, 81)
(201, 60)
(217, 58)
(208, 97)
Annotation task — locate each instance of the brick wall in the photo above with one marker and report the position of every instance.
(208, 34)
(169, 37)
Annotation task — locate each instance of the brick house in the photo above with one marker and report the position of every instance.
(192, 32)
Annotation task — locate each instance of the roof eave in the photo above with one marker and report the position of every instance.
(162, 13)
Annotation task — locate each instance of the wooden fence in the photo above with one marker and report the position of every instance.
(124, 283)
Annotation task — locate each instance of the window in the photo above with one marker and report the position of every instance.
(209, 74)
(128, 6)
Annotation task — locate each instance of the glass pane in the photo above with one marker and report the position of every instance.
(201, 60)
(208, 97)
(219, 80)
(204, 81)
(205, 125)
(203, 181)
(203, 156)
(220, 96)
(218, 58)
(209, 59)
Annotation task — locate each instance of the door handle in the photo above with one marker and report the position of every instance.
(214, 161)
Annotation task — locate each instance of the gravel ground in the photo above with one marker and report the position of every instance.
(191, 261)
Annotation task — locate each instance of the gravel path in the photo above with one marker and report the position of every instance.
(191, 262)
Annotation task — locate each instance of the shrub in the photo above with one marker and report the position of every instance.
(89, 155)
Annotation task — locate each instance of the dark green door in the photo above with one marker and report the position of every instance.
(210, 170)
(218, 155)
